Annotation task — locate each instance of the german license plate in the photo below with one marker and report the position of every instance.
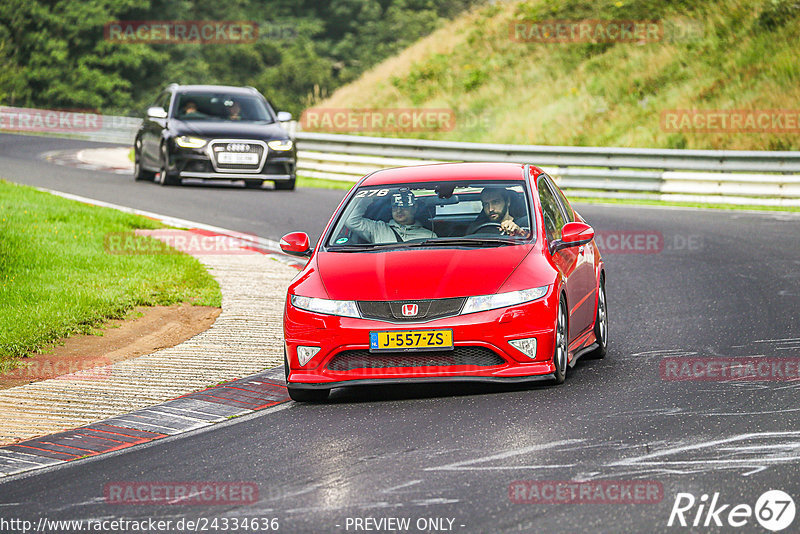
(402, 340)
(238, 157)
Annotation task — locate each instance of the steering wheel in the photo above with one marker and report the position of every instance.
(485, 225)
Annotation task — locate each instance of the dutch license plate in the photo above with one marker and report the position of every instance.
(400, 340)
(238, 157)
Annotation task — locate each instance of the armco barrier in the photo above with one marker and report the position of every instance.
(77, 124)
(706, 176)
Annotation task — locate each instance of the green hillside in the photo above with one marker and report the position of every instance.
(62, 54)
(711, 55)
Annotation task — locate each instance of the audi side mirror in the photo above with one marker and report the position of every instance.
(156, 112)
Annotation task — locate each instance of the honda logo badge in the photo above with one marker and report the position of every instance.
(410, 310)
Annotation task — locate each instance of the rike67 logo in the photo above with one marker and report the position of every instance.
(774, 510)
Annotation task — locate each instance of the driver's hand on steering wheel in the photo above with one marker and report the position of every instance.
(511, 228)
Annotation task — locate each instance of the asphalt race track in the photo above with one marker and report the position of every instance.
(265, 213)
(693, 285)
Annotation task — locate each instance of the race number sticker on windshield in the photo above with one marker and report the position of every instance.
(372, 193)
(402, 340)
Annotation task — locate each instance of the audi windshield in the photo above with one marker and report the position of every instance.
(221, 107)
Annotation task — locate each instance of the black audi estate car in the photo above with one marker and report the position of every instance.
(214, 132)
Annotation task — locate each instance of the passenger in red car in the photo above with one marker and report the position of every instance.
(402, 227)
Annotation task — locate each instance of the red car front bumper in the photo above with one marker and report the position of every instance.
(344, 344)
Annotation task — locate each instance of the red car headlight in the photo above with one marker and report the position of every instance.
(344, 308)
(503, 300)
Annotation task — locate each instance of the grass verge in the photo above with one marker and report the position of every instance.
(717, 56)
(318, 183)
(56, 279)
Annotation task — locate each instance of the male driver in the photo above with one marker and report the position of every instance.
(190, 110)
(402, 227)
(496, 202)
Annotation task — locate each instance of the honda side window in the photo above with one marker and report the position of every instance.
(553, 217)
(562, 200)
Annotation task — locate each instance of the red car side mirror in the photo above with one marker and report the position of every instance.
(574, 234)
(296, 244)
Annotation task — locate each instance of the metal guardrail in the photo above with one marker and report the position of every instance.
(706, 176)
(647, 158)
(72, 124)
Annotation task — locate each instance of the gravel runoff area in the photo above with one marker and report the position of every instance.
(246, 338)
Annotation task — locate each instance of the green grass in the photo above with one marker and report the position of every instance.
(317, 183)
(732, 55)
(56, 279)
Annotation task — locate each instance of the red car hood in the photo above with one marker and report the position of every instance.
(417, 274)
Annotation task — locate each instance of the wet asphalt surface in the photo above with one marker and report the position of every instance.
(471, 457)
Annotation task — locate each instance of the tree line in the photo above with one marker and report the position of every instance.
(58, 54)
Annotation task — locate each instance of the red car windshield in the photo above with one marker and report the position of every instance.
(433, 214)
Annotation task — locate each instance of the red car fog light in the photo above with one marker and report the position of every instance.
(304, 354)
(527, 346)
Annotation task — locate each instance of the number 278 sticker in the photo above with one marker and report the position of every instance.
(372, 193)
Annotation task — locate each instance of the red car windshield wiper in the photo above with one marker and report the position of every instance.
(360, 247)
(437, 242)
(466, 241)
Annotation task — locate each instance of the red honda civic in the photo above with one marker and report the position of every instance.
(456, 271)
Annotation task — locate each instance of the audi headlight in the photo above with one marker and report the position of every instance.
(344, 308)
(281, 145)
(503, 300)
(186, 141)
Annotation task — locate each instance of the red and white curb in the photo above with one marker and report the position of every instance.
(248, 336)
(184, 414)
(243, 241)
(73, 158)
